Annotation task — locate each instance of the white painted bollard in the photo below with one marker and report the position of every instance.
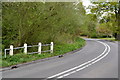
(51, 47)
(39, 48)
(25, 48)
(11, 50)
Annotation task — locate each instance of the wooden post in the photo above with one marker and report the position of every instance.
(5, 53)
(51, 47)
(25, 48)
(39, 48)
(11, 50)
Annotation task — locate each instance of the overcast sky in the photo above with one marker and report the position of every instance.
(86, 3)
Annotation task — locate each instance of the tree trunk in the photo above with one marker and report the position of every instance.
(118, 35)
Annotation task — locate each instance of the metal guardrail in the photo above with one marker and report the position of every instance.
(6, 52)
(25, 48)
(46, 44)
(33, 52)
(18, 47)
(33, 46)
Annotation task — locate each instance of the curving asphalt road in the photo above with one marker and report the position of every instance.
(98, 59)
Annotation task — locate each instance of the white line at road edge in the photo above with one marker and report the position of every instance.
(84, 65)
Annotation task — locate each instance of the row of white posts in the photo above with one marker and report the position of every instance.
(25, 48)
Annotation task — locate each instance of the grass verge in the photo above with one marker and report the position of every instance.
(111, 39)
(58, 50)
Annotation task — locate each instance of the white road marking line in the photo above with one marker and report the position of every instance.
(86, 65)
(68, 71)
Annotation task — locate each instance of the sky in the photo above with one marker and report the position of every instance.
(86, 3)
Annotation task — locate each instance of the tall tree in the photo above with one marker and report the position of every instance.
(34, 22)
(109, 7)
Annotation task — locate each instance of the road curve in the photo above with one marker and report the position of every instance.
(98, 59)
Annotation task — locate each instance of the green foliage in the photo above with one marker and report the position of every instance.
(35, 22)
(110, 21)
(89, 28)
(105, 29)
(102, 7)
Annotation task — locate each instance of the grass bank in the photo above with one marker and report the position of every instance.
(111, 39)
(58, 50)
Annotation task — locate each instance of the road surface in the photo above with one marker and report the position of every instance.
(98, 59)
